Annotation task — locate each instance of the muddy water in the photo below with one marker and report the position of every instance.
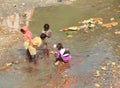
(88, 50)
(87, 45)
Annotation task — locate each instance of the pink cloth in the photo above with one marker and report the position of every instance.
(27, 35)
(65, 58)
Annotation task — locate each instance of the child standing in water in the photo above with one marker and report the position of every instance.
(43, 49)
(47, 30)
(27, 41)
(62, 55)
(29, 44)
(45, 35)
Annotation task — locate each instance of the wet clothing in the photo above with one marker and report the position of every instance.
(63, 55)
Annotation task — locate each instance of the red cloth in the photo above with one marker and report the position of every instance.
(27, 35)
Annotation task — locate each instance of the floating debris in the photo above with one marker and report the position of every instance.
(109, 25)
(74, 28)
(54, 46)
(104, 68)
(97, 73)
(112, 19)
(6, 67)
(8, 64)
(97, 85)
(69, 33)
(23, 4)
(117, 32)
(113, 63)
(69, 36)
(90, 23)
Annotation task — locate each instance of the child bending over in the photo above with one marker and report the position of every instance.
(29, 43)
(43, 49)
(62, 55)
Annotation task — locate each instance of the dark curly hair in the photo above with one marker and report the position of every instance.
(59, 46)
(43, 36)
(46, 27)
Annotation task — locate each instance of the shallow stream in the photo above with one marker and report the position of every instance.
(88, 49)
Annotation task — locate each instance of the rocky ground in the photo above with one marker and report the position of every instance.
(9, 41)
(9, 7)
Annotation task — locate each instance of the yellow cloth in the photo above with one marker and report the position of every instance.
(32, 50)
(26, 44)
(37, 41)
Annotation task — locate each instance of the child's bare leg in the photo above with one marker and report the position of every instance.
(44, 53)
(36, 59)
(48, 53)
(28, 56)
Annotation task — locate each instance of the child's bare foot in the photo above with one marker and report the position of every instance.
(62, 63)
(56, 63)
(36, 64)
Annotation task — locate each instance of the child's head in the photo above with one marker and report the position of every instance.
(43, 36)
(46, 27)
(22, 30)
(59, 46)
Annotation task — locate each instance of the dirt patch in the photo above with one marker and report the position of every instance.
(10, 42)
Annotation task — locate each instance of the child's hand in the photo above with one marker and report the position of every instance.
(55, 54)
(35, 46)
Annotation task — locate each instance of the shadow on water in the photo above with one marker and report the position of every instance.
(88, 50)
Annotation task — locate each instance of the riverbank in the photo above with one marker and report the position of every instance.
(10, 43)
(9, 7)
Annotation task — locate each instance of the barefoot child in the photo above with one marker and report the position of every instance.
(62, 55)
(43, 47)
(47, 30)
(27, 40)
(29, 44)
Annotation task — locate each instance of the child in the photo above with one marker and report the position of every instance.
(43, 46)
(29, 44)
(47, 30)
(62, 55)
(27, 40)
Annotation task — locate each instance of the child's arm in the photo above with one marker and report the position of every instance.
(49, 35)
